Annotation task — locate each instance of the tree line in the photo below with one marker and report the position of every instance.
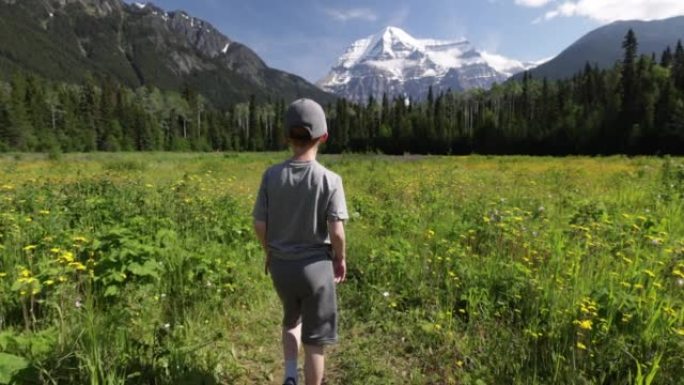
(103, 115)
(636, 107)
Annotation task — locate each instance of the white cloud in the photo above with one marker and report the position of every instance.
(612, 10)
(352, 14)
(532, 3)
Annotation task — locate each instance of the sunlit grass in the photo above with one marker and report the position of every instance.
(139, 268)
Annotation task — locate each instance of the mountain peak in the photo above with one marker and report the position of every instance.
(394, 62)
(396, 33)
(392, 30)
(390, 43)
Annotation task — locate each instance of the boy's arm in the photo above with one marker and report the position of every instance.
(337, 239)
(260, 230)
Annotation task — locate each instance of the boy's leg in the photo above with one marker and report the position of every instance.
(291, 342)
(314, 364)
(319, 318)
(287, 282)
(292, 338)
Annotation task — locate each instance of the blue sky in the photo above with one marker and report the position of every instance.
(306, 37)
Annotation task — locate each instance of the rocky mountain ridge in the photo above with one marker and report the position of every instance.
(602, 47)
(137, 44)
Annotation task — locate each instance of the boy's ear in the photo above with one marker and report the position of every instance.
(324, 138)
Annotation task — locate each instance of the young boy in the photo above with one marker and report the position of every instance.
(299, 219)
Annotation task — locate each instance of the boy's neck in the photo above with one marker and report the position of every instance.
(305, 155)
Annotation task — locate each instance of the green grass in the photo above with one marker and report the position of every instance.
(142, 269)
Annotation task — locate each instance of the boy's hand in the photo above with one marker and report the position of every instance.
(340, 269)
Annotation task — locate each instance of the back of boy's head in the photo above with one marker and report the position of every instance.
(305, 122)
(300, 134)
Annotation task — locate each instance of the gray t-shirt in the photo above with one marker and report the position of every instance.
(296, 200)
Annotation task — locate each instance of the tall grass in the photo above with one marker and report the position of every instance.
(142, 268)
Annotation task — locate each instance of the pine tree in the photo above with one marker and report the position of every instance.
(278, 132)
(39, 114)
(678, 67)
(256, 138)
(385, 117)
(398, 112)
(629, 81)
(4, 123)
(666, 57)
(88, 116)
(19, 134)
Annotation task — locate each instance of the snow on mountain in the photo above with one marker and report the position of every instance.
(396, 63)
(504, 65)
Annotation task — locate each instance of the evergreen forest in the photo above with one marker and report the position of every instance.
(636, 107)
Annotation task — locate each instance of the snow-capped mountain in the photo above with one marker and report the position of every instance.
(396, 63)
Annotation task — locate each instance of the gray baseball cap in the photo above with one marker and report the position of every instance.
(307, 114)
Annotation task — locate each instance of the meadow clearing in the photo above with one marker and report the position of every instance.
(143, 269)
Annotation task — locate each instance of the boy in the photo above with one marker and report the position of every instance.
(299, 219)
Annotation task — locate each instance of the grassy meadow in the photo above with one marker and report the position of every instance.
(143, 269)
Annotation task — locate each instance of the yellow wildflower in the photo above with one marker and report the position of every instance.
(67, 256)
(77, 266)
(679, 332)
(44, 212)
(581, 346)
(29, 248)
(3, 274)
(79, 239)
(49, 282)
(585, 324)
(649, 273)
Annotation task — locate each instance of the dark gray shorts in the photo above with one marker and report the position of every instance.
(307, 290)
